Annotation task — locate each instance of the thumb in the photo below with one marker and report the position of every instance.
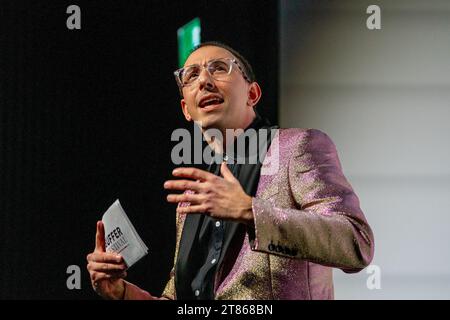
(226, 173)
(100, 237)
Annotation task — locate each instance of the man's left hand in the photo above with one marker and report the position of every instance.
(218, 197)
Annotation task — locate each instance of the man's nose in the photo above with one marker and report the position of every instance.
(205, 80)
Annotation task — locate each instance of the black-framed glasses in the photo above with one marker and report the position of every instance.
(219, 69)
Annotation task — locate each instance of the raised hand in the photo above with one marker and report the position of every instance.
(218, 197)
(106, 270)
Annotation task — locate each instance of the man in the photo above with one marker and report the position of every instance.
(242, 234)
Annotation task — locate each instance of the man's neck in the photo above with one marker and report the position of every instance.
(218, 144)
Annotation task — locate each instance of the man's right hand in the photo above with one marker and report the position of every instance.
(106, 270)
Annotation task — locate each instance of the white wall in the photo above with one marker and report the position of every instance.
(384, 98)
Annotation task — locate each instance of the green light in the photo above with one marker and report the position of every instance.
(188, 38)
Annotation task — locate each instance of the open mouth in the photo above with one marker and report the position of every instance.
(213, 101)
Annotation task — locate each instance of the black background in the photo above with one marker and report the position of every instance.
(86, 117)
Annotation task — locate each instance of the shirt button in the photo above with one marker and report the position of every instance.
(218, 224)
(197, 293)
(213, 261)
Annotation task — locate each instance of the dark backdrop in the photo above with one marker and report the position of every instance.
(86, 117)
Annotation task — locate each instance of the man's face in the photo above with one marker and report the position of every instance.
(230, 95)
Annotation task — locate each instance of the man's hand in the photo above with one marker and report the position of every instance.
(106, 270)
(218, 197)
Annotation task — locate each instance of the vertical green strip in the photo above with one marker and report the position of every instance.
(188, 38)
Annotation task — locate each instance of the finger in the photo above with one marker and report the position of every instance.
(97, 277)
(184, 185)
(226, 173)
(122, 275)
(193, 209)
(100, 237)
(193, 173)
(106, 267)
(186, 197)
(104, 257)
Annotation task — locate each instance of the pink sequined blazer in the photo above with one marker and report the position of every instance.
(307, 220)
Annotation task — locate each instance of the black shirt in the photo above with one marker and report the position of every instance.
(196, 277)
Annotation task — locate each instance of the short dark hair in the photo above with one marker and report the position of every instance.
(246, 66)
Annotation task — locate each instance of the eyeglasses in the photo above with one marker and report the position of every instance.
(219, 69)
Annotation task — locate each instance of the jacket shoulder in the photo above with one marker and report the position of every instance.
(304, 136)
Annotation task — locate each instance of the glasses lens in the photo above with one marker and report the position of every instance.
(219, 68)
(189, 74)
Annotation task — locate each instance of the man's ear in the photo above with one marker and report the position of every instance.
(185, 110)
(254, 94)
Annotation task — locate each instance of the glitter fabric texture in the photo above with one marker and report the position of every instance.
(307, 220)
